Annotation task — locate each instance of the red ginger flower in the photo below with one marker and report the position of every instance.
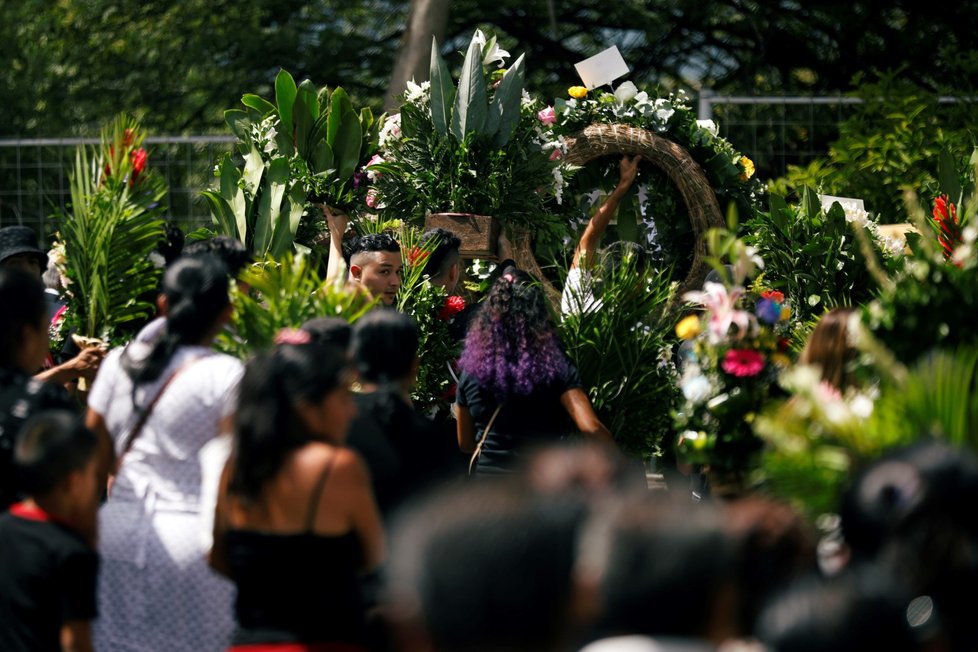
(946, 217)
(138, 158)
(773, 295)
(417, 257)
(453, 306)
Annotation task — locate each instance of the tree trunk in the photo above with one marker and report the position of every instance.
(426, 18)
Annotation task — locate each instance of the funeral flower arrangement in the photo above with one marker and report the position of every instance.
(931, 302)
(653, 214)
(471, 148)
(732, 355)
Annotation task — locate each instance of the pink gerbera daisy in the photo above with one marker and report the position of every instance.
(743, 363)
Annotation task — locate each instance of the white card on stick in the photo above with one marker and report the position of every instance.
(845, 202)
(603, 68)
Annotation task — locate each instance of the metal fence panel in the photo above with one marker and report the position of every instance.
(34, 177)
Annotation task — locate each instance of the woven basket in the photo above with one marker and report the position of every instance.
(701, 202)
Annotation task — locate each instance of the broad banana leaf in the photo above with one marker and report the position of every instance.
(442, 91)
(288, 222)
(270, 203)
(471, 101)
(346, 145)
(305, 113)
(285, 92)
(504, 112)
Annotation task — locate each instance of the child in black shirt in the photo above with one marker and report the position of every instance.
(48, 565)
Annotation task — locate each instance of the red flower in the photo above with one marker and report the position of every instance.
(949, 231)
(417, 257)
(127, 137)
(453, 306)
(773, 295)
(138, 158)
(743, 363)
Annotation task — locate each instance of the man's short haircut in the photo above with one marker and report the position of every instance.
(370, 243)
(51, 445)
(445, 253)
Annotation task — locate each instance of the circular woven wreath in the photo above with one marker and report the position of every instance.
(707, 171)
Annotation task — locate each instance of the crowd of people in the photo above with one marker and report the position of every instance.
(298, 502)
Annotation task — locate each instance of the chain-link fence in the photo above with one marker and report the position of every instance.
(34, 181)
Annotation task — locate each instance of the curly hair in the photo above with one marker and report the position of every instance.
(512, 347)
(370, 243)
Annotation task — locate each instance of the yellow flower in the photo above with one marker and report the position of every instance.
(748, 166)
(780, 359)
(577, 92)
(688, 328)
(785, 312)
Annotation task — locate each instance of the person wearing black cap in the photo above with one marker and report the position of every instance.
(19, 250)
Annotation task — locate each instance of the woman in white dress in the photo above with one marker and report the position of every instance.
(161, 399)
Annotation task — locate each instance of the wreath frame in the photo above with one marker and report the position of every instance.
(602, 139)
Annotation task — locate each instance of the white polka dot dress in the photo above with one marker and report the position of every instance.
(155, 589)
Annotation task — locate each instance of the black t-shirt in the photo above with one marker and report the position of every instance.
(47, 578)
(405, 452)
(21, 397)
(534, 419)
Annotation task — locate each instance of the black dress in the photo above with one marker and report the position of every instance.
(536, 419)
(297, 588)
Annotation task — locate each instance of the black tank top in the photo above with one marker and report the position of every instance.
(300, 587)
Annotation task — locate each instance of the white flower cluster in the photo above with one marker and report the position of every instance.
(391, 130)
(418, 93)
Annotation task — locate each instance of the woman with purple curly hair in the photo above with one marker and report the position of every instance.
(514, 369)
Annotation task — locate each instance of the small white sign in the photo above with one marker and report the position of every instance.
(603, 68)
(847, 203)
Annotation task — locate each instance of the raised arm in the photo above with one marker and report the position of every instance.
(337, 222)
(588, 245)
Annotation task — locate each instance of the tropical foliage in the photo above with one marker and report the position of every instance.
(621, 346)
(307, 146)
(285, 293)
(114, 222)
(812, 255)
(931, 302)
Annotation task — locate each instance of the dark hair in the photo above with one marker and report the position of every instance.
(512, 346)
(196, 290)
(24, 304)
(659, 551)
(266, 426)
(231, 251)
(51, 445)
(912, 512)
(385, 344)
(490, 567)
(774, 547)
(370, 243)
(172, 244)
(445, 253)
(849, 613)
(329, 330)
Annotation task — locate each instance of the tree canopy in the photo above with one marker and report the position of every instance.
(178, 65)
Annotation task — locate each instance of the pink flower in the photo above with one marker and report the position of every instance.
(292, 336)
(453, 306)
(372, 199)
(722, 306)
(547, 116)
(556, 154)
(743, 363)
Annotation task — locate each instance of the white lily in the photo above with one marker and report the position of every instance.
(491, 52)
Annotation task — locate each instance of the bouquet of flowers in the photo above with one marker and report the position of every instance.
(471, 148)
(731, 358)
(931, 302)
